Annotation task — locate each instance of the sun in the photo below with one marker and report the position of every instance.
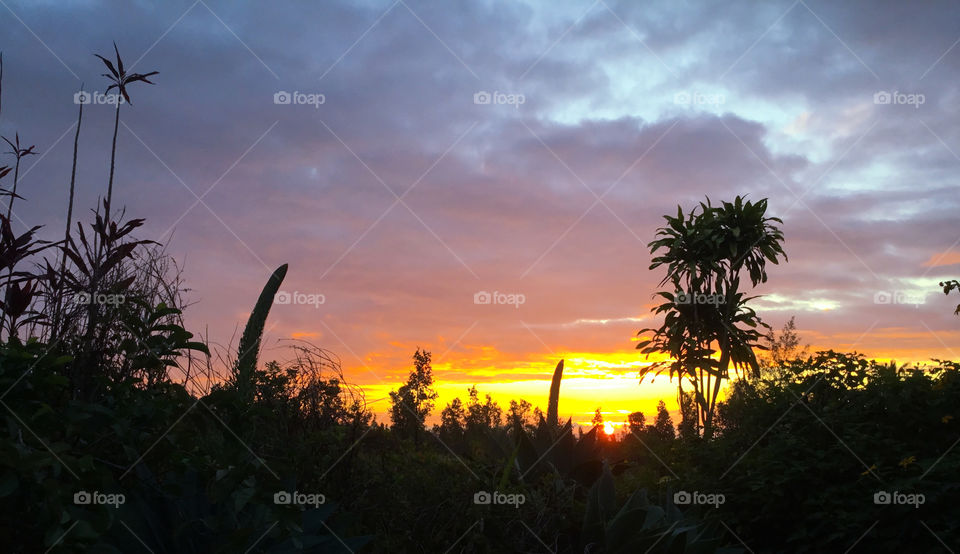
(608, 428)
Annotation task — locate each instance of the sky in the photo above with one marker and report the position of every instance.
(412, 159)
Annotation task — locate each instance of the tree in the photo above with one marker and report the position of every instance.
(413, 401)
(486, 415)
(636, 422)
(519, 413)
(689, 425)
(452, 421)
(782, 348)
(663, 424)
(597, 420)
(951, 286)
(708, 327)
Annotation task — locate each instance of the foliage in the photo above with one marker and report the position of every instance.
(949, 286)
(708, 314)
(554, 401)
(253, 333)
(413, 401)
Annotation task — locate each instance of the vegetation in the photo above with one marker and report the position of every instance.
(707, 313)
(120, 433)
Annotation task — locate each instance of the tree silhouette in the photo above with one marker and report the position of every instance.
(413, 401)
(663, 424)
(707, 313)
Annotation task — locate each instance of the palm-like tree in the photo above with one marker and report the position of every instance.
(705, 255)
(19, 153)
(119, 80)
